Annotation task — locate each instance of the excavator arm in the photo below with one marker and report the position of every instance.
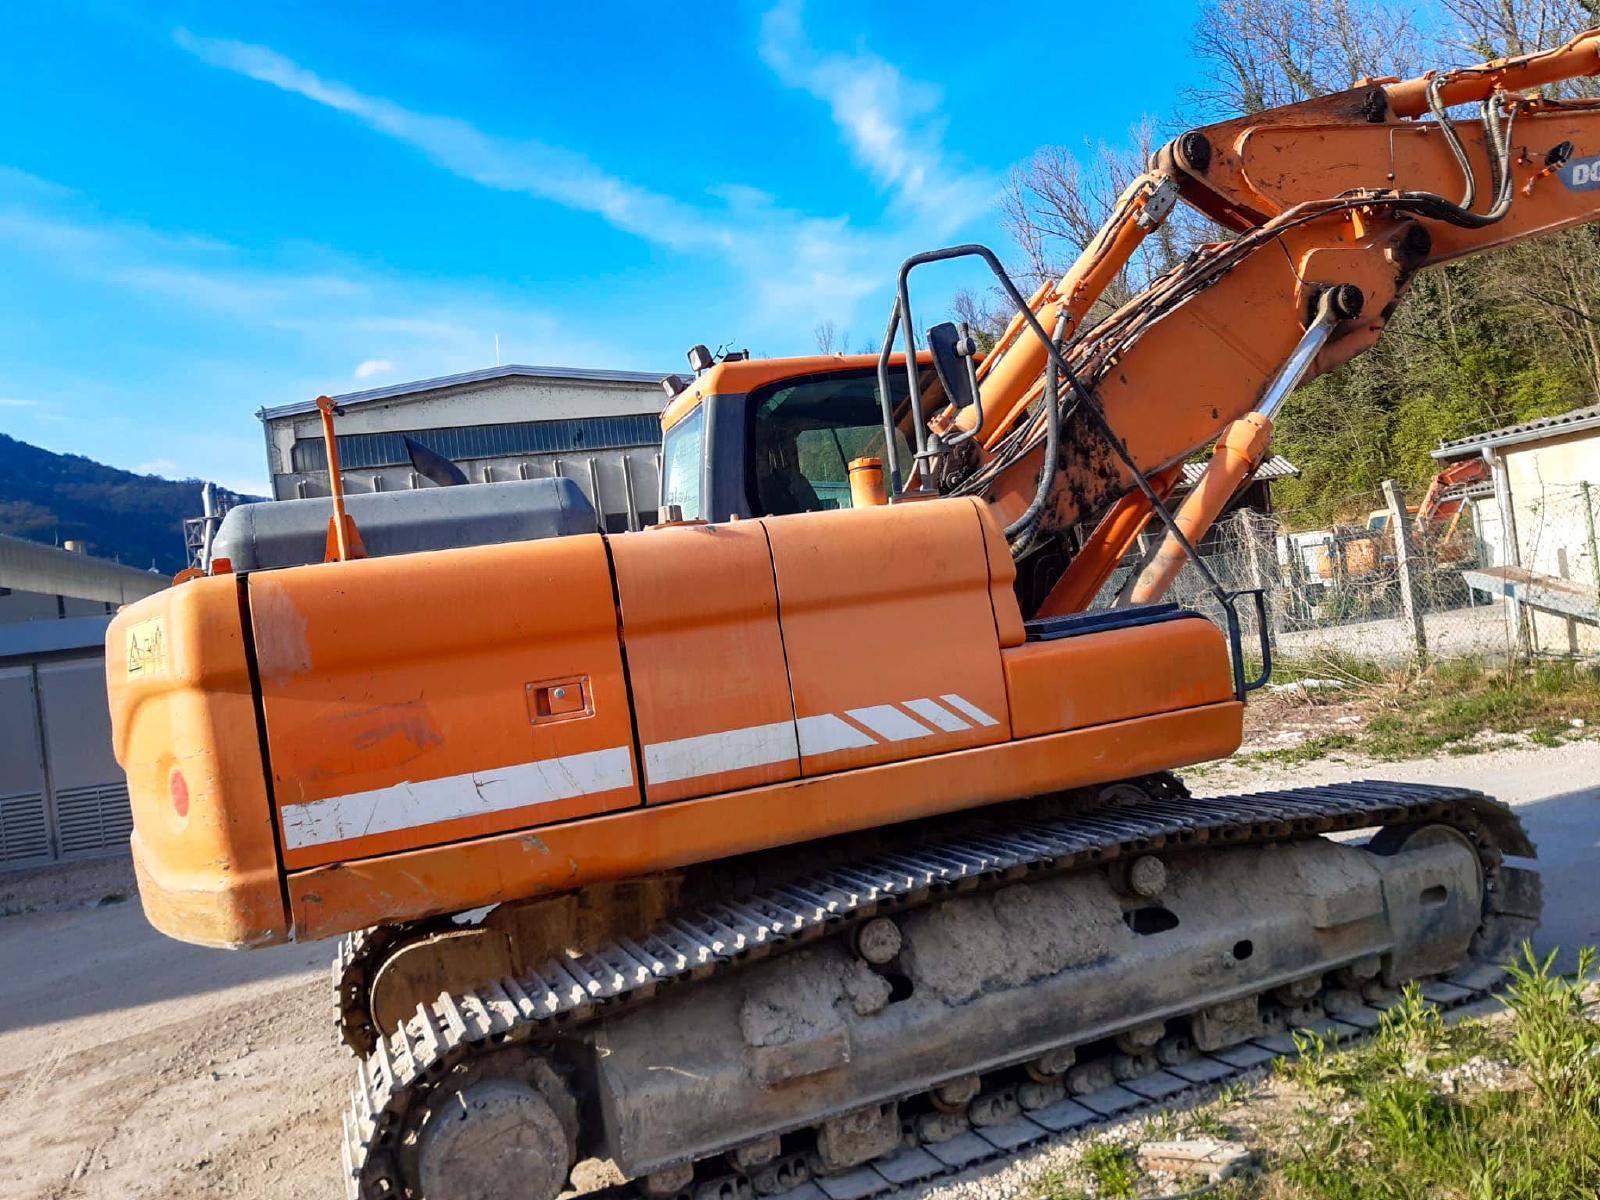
(1331, 206)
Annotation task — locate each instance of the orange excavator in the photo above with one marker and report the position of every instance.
(822, 838)
(1357, 551)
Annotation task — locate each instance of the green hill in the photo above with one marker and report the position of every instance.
(120, 515)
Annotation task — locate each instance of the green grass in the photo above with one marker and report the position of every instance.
(1113, 1170)
(1309, 750)
(1107, 1171)
(1419, 714)
(1381, 1127)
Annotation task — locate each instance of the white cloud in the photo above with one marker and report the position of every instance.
(530, 167)
(17, 402)
(890, 123)
(419, 326)
(797, 267)
(159, 466)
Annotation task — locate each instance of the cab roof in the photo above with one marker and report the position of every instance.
(745, 375)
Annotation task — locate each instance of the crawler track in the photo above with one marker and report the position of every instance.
(395, 1081)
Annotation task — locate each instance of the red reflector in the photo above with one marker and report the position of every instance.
(179, 787)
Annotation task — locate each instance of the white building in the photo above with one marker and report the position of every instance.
(1546, 491)
(600, 428)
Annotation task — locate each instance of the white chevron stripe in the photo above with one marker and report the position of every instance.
(410, 804)
(889, 723)
(963, 705)
(937, 715)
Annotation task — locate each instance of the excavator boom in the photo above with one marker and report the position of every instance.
(1353, 191)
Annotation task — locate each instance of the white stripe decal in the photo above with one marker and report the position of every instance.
(889, 723)
(972, 710)
(713, 753)
(827, 733)
(936, 714)
(475, 794)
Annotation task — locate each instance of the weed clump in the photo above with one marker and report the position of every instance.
(1392, 1119)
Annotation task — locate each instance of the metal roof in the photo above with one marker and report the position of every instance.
(1575, 421)
(575, 374)
(26, 639)
(1276, 467)
(29, 566)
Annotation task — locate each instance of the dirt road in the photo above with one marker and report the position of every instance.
(134, 1066)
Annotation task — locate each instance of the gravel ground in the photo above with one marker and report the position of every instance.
(134, 1066)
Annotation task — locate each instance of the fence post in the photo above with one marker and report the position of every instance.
(1594, 558)
(1521, 624)
(1405, 560)
(1258, 528)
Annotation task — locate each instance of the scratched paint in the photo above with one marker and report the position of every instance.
(282, 649)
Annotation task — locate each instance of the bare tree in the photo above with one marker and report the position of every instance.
(1485, 29)
(1259, 54)
(1055, 205)
(986, 314)
(830, 339)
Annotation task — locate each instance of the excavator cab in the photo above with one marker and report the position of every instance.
(769, 438)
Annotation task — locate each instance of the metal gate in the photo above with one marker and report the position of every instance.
(62, 795)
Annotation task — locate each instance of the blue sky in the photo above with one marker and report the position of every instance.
(205, 209)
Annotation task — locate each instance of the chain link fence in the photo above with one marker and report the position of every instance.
(1348, 592)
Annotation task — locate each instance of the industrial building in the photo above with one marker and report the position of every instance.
(62, 795)
(1535, 523)
(600, 428)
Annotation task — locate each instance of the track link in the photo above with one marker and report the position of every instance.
(394, 1080)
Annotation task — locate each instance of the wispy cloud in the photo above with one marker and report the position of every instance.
(891, 124)
(252, 334)
(796, 266)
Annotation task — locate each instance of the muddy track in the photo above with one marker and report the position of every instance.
(395, 1081)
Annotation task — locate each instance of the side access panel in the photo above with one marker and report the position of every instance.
(710, 685)
(890, 630)
(430, 698)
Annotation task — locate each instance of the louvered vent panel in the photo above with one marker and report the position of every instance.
(92, 820)
(24, 833)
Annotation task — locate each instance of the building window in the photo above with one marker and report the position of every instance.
(483, 441)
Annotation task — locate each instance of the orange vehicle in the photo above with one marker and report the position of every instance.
(1357, 552)
(823, 836)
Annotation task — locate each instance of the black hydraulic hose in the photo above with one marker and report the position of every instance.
(1052, 436)
(1436, 106)
(1498, 137)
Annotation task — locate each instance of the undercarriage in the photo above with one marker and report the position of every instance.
(844, 1017)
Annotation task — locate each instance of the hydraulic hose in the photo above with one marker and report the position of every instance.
(1052, 436)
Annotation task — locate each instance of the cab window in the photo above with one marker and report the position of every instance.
(804, 434)
(682, 460)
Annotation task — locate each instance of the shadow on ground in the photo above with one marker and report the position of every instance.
(55, 966)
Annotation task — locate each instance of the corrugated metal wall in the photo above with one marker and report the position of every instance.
(62, 794)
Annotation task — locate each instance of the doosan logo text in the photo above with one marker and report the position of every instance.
(1582, 174)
